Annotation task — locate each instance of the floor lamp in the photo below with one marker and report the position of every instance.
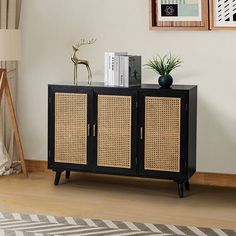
(10, 51)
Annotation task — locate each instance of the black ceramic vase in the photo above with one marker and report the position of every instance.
(165, 81)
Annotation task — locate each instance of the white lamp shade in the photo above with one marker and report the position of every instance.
(10, 45)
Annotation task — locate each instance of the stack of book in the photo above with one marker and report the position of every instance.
(122, 70)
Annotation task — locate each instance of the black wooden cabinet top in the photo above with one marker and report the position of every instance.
(143, 86)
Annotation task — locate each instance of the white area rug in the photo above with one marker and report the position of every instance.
(15, 224)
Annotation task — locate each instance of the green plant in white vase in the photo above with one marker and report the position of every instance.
(163, 66)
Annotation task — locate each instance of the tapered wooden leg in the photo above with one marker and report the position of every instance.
(67, 174)
(15, 128)
(57, 177)
(181, 189)
(187, 185)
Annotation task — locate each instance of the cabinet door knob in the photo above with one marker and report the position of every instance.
(141, 133)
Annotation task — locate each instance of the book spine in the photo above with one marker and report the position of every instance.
(106, 68)
(120, 65)
(126, 71)
(116, 70)
(109, 69)
(110, 72)
(122, 71)
(112, 57)
(119, 71)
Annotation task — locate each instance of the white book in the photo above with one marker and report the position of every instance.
(111, 66)
(116, 70)
(110, 72)
(124, 71)
(106, 63)
(121, 79)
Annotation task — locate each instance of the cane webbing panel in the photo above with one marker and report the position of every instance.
(71, 128)
(162, 134)
(114, 131)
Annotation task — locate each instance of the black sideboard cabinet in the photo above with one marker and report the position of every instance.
(144, 131)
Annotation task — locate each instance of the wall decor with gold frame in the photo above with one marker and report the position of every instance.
(223, 14)
(179, 15)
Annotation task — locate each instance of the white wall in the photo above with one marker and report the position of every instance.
(51, 27)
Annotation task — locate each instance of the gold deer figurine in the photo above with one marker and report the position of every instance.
(78, 61)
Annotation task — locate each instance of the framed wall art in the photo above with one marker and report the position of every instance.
(179, 15)
(223, 14)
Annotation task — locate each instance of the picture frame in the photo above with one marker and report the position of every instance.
(179, 15)
(222, 14)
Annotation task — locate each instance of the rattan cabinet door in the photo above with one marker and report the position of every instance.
(69, 128)
(162, 134)
(114, 149)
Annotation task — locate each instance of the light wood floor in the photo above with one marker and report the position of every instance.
(118, 198)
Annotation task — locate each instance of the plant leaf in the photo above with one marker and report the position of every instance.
(164, 65)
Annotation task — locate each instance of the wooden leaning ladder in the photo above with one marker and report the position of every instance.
(5, 86)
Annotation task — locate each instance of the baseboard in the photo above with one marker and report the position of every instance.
(213, 179)
(36, 166)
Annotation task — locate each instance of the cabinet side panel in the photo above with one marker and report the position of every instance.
(114, 131)
(192, 131)
(71, 128)
(162, 134)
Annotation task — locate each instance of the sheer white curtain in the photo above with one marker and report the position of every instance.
(9, 19)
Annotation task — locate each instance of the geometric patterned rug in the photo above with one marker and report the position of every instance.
(15, 224)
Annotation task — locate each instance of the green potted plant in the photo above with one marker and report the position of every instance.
(163, 66)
